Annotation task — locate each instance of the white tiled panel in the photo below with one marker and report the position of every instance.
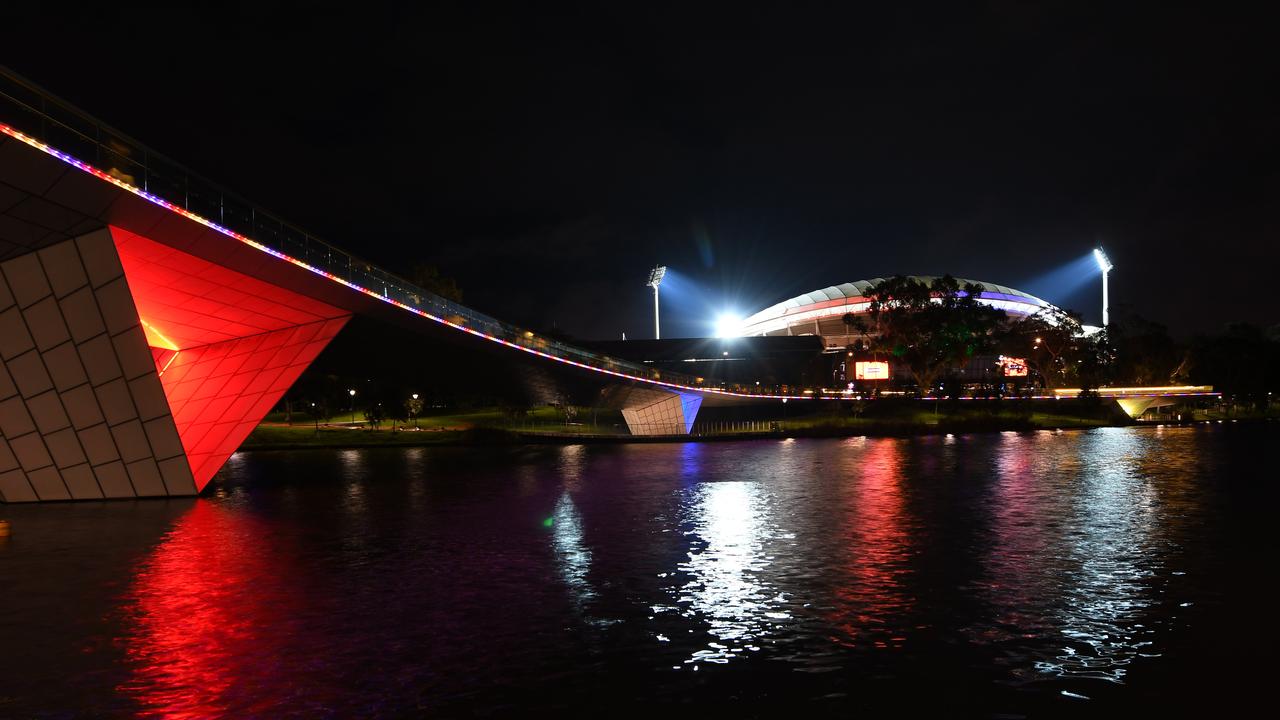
(82, 411)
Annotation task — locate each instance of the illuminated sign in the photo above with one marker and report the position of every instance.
(1013, 367)
(874, 370)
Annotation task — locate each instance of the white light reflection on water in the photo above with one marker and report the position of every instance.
(355, 528)
(726, 564)
(1076, 551)
(573, 557)
(1114, 543)
(415, 477)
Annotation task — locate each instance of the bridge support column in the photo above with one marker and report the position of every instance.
(657, 412)
(131, 369)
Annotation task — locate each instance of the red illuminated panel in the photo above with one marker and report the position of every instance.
(185, 301)
(871, 370)
(226, 346)
(164, 357)
(219, 393)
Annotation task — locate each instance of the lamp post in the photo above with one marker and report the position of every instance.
(415, 414)
(352, 391)
(655, 279)
(1104, 264)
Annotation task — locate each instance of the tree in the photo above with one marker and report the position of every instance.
(374, 415)
(1053, 343)
(1243, 363)
(318, 411)
(1145, 354)
(931, 327)
(428, 278)
(413, 407)
(570, 412)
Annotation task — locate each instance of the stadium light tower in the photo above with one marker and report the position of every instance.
(655, 279)
(1104, 264)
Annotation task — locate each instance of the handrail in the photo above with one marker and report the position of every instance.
(77, 137)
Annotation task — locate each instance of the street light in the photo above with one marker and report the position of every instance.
(655, 279)
(353, 405)
(1104, 264)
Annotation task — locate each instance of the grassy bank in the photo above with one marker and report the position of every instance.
(492, 426)
(472, 427)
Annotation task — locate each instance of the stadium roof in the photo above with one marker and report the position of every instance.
(837, 298)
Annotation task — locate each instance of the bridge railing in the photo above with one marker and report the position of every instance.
(43, 117)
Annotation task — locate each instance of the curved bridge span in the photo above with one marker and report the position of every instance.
(149, 318)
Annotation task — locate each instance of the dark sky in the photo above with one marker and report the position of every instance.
(547, 159)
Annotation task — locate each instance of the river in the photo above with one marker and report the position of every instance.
(1006, 574)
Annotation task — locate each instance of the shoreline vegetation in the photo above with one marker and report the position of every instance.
(492, 426)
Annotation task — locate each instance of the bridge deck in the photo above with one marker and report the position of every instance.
(37, 119)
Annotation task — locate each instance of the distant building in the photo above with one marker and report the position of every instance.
(821, 312)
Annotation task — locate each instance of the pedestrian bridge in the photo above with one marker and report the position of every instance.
(149, 318)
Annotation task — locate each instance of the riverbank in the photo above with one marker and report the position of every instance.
(544, 426)
(280, 437)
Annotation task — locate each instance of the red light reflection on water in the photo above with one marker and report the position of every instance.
(210, 623)
(871, 593)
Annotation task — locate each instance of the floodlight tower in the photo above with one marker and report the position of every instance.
(1104, 264)
(655, 279)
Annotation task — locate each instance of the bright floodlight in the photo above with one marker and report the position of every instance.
(728, 325)
(655, 279)
(1104, 263)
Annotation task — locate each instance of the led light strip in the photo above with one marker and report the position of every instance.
(45, 148)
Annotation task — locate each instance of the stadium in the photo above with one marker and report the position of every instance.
(821, 312)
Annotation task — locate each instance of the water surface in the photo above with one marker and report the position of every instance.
(1004, 574)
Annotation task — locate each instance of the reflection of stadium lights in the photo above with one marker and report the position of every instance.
(728, 325)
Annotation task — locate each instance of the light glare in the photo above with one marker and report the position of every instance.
(728, 325)
(1104, 263)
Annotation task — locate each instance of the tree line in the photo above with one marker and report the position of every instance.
(935, 328)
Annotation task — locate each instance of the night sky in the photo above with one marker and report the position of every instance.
(547, 159)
